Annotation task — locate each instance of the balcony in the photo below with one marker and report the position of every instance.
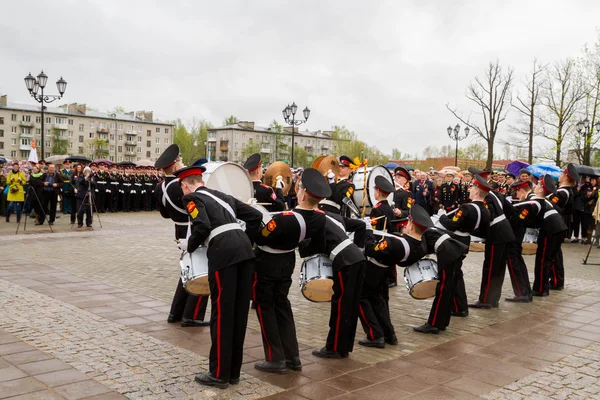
(224, 148)
(25, 147)
(130, 142)
(26, 124)
(24, 135)
(131, 132)
(62, 127)
(266, 150)
(130, 153)
(102, 130)
(211, 139)
(223, 158)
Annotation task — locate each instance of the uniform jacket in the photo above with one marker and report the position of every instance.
(403, 250)
(500, 212)
(266, 194)
(469, 219)
(283, 231)
(403, 200)
(448, 195)
(383, 209)
(170, 204)
(340, 190)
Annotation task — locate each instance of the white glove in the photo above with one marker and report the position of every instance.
(441, 212)
(280, 184)
(367, 221)
(331, 176)
(252, 202)
(182, 245)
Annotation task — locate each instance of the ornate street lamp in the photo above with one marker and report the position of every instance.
(454, 134)
(289, 115)
(34, 85)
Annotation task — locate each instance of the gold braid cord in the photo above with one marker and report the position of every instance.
(357, 164)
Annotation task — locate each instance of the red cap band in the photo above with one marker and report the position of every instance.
(416, 224)
(188, 173)
(382, 191)
(345, 162)
(521, 185)
(567, 173)
(402, 174)
(255, 168)
(544, 185)
(476, 183)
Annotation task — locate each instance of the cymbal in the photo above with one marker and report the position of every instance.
(329, 163)
(279, 168)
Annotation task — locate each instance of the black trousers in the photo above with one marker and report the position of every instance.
(557, 270)
(83, 205)
(114, 198)
(126, 200)
(230, 291)
(49, 203)
(272, 281)
(136, 199)
(439, 316)
(373, 309)
(101, 198)
(188, 306)
(459, 296)
(492, 277)
(344, 308)
(575, 223)
(517, 269)
(545, 257)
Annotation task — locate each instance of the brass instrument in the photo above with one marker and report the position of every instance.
(279, 168)
(326, 163)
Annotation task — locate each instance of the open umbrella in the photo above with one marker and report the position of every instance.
(3, 160)
(81, 159)
(126, 164)
(104, 160)
(57, 159)
(391, 165)
(145, 163)
(515, 167)
(538, 170)
(587, 170)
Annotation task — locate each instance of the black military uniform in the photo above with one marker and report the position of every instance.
(552, 229)
(496, 252)
(102, 182)
(137, 190)
(126, 186)
(563, 199)
(403, 199)
(275, 261)
(264, 193)
(449, 252)
(384, 253)
(385, 214)
(341, 192)
(189, 309)
(153, 183)
(214, 218)
(448, 195)
(115, 189)
(348, 269)
(469, 219)
(465, 187)
(525, 215)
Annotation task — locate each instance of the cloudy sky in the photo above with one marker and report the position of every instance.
(385, 69)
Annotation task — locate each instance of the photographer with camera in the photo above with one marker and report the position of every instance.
(51, 182)
(84, 185)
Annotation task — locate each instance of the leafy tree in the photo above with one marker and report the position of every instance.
(396, 154)
(251, 148)
(191, 141)
(232, 119)
(117, 110)
(302, 158)
(60, 144)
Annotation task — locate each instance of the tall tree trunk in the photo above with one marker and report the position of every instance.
(531, 120)
(490, 154)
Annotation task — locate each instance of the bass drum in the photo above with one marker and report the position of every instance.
(229, 178)
(359, 186)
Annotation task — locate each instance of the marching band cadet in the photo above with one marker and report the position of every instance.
(471, 218)
(264, 193)
(382, 255)
(552, 229)
(114, 187)
(449, 252)
(187, 308)
(465, 188)
(563, 200)
(382, 210)
(102, 178)
(275, 261)
(214, 219)
(525, 213)
(448, 193)
(341, 191)
(348, 268)
(494, 263)
(403, 197)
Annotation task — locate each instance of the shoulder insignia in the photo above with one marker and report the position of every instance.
(265, 231)
(524, 214)
(555, 199)
(287, 213)
(381, 245)
(191, 208)
(378, 205)
(457, 216)
(271, 225)
(350, 191)
(409, 204)
(319, 211)
(265, 186)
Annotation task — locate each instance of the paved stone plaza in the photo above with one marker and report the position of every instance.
(83, 315)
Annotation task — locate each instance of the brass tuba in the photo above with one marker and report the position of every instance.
(279, 168)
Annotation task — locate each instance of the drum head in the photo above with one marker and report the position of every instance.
(379, 170)
(229, 178)
(358, 179)
(318, 290)
(424, 290)
(529, 248)
(198, 286)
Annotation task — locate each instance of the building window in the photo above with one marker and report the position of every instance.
(13, 117)
(81, 127)
(147, 154)
(112, 147)
(157, 151)
(48, 143)
(120, 127)
(71, 146)
(61, 120)
(81, 150)
(91, 147)
(236, 153)
(139, 149)
(38, 120)
(26, 131)
(1, 145)
(13, 153)
(26, 118)
(112, 158)
(139, 139)
(70, 122)
(13, 129)
(120, 149)
(112, 137)
(166, 130)
(13, 141)
(80, 139)
(166, 141)
(1, 132)
(38, 131)
(157, 140)
(157, 130)
(25, 142)
(70, 133)
(148, 133)
(92, 124)
(48, 120)
(148, 143)
(2, 121)
(112, 125)
(102, 125)
(91, 135)
(120, 137)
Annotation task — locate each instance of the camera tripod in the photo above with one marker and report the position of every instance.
(90, 203)
(30, 190)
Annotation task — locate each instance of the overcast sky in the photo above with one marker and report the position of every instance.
(385, 69)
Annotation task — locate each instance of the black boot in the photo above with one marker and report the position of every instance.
(519, 299)
(393, 340)
(193, 322)
(208, 380)
(479, 304)
(278, 367)
(324, 353)
(172, 318)
(379, 342)
(538, 294)
(426, 329)
(294, 364)
(461, 314)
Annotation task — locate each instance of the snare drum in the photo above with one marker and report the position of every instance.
(194, 272)
(230, 178)
(477, 244)
(316, 278)
(422, 278)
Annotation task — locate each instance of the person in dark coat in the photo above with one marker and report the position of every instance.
(51, 182)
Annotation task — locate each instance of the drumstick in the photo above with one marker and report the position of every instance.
(263, 204)
(384, 224)
(375, 219)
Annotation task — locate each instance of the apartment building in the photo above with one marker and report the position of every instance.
(226, 143)
(132, 136)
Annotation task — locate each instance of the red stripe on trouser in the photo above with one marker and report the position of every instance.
(512, 271)
(542, 266)
(260, 318)
(456, 305)
(439, 300)
(487, 288)
(218, 279)
(197, 307)
(339, 316)
(362, 314)
(555, 279)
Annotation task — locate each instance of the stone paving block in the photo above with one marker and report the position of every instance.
(19, 386)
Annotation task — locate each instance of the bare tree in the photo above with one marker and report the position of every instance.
(526, 106)
(563, 92)
(492, 95)
(591, 65)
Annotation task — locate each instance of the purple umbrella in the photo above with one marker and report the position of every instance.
(105, 161)
(515, 167)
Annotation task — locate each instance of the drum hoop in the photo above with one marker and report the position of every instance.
(369, 182)
(218, 164)
(315, 256)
